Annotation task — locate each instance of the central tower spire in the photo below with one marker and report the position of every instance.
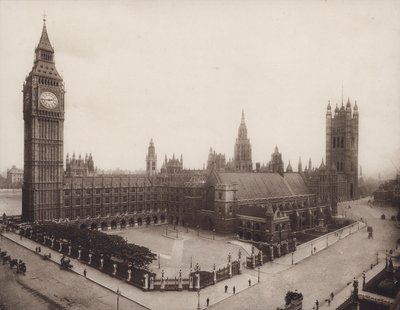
(242, 157)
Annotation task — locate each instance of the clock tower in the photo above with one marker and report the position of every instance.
(43, 106)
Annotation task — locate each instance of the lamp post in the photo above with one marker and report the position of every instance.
(166, 230)
(118, 293)
(177, 233)
(198, 230)
(198, 299)
(159, 261)
(213, 233)
(258, 274)
(292, 257)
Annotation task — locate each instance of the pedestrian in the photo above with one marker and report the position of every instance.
(234, 290)
(40, 249)
(36, 249)
(226, 288)
(84, 272)
(208, 301)
(20, 237)
(317, 304)
(329, 302)
(315, 249)
(332, 295)
(249, 282)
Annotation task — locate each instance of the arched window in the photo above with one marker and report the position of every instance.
(341, 143)
(337, 166)
(334, 142)
(342, 166)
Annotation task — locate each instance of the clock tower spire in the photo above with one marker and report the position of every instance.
(43, 106)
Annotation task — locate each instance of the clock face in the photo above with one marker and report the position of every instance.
(48, 100)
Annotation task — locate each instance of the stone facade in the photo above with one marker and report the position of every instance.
(43, 108)
(342, 148)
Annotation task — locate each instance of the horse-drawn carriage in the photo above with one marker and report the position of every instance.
(65, 263)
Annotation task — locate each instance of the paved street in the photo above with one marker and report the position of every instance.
(327, 271)
(45, 286)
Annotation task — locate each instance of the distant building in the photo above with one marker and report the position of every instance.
(172, 165)
(216, 160)
(15, 177)
(79, 166)
(388, 192)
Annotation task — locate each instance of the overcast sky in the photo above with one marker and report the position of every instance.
(180, 72)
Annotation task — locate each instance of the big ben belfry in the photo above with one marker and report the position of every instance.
(43, 107)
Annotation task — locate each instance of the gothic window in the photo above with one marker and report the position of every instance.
(342, 166)
(230, 210)
(219, 195)
(334, 142)
(78, 202)
(116, 199)
(97, 200)
(107, 199)
(337, 166)
(67, 202)
(341, 142)
(97, 190)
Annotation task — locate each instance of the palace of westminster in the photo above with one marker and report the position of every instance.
(261, 203)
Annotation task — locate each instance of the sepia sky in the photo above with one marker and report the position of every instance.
(180, 72)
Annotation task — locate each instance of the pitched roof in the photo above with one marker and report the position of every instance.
(44, 42)
(265, 185)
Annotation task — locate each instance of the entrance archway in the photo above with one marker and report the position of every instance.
(83, 226)
(93, 226)
(155, 219)
(148, 220)
(162, 218)
(139, 221)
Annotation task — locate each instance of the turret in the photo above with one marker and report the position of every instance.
(299, 166)
(289, 167)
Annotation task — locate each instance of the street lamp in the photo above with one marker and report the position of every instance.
(177, 233)
(213, 233)
(118, 293)
(258, 274)
(198, 299)
(166, 230)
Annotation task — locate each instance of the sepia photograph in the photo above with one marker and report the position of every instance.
(200, 154)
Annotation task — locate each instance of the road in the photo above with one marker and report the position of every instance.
(45, 286)
(327, 271)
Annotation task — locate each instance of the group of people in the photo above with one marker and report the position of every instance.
(233, 289)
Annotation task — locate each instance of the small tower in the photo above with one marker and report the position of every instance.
(300, 166)
(289, 167)
(151, 159)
